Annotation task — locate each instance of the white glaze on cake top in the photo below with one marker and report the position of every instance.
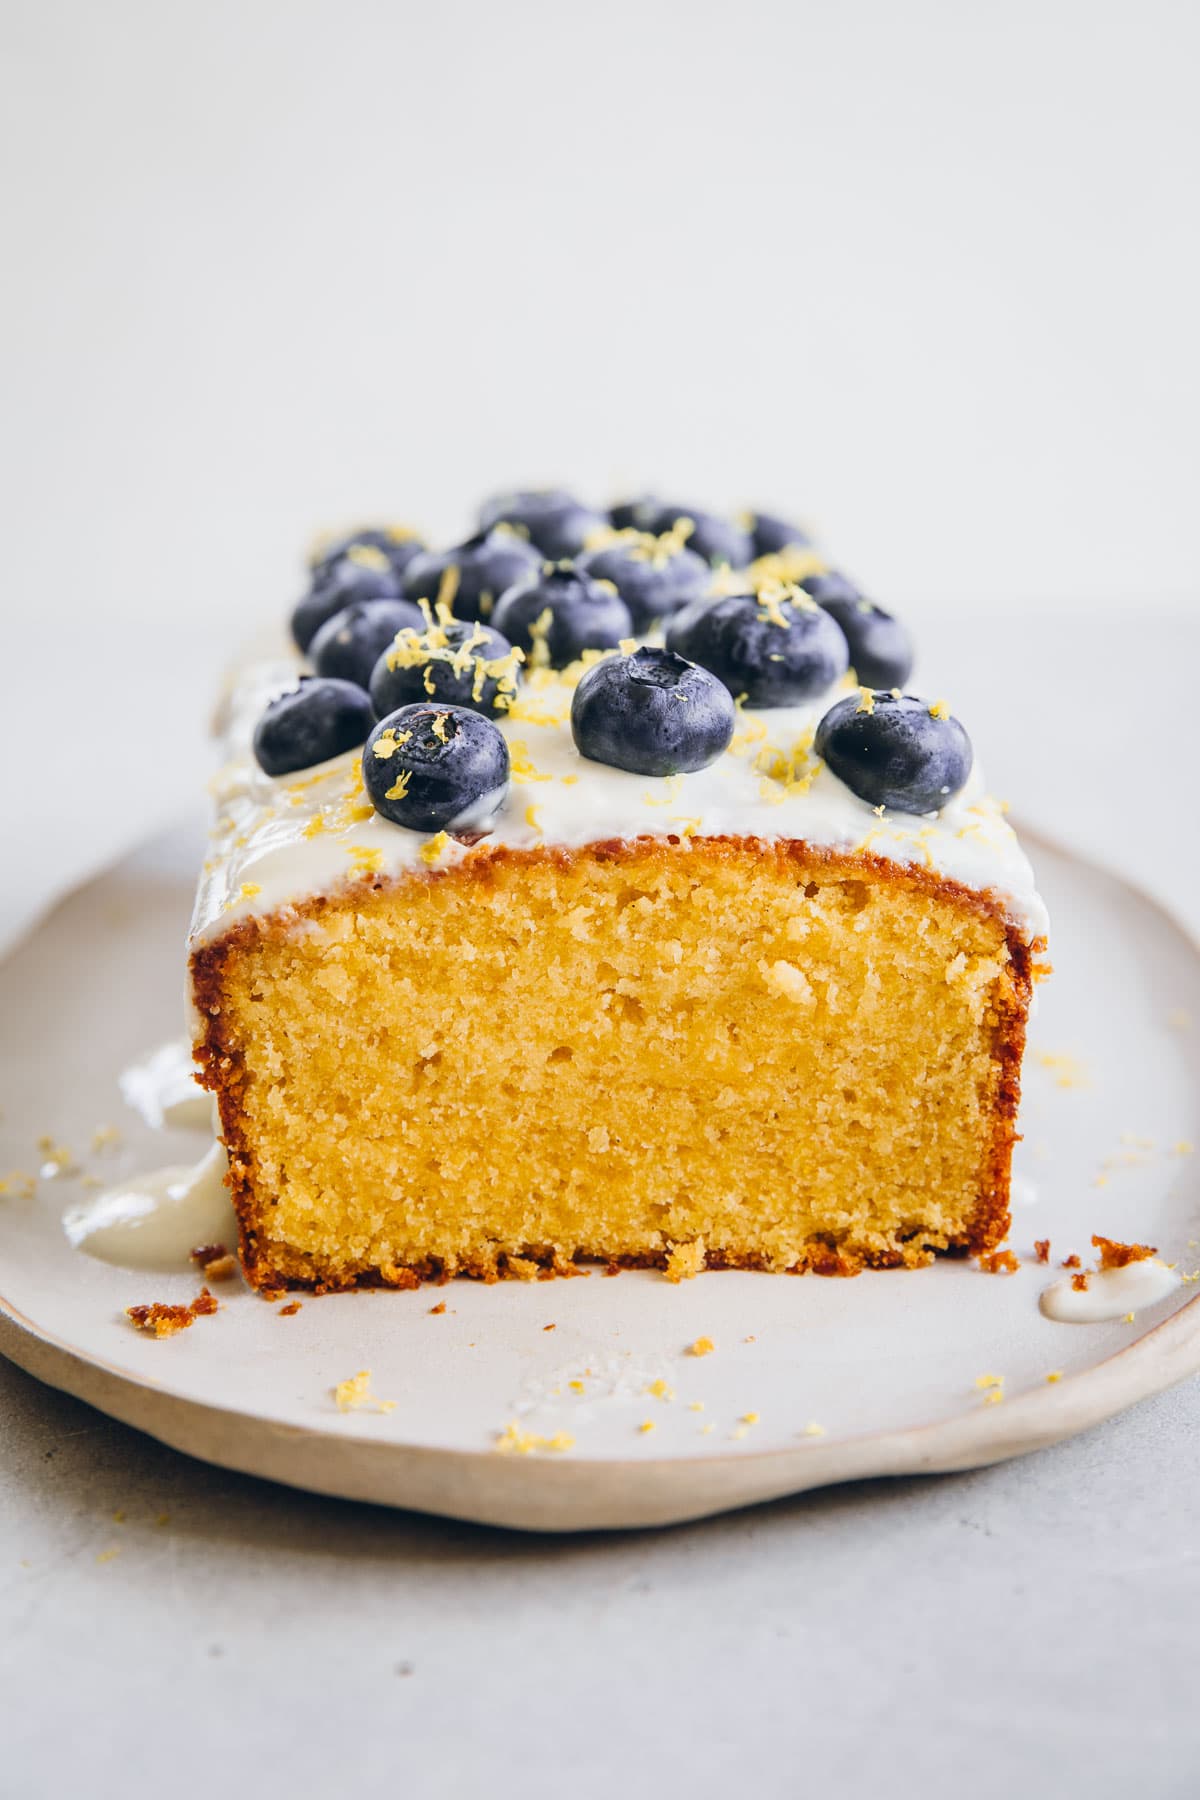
(279, 841)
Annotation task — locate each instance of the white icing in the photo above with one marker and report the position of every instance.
(1110, 1293)
(161, 1087)
(153, 1221)
(277, 841)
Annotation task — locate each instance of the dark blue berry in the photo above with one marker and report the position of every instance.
(653, 576)
(396, 542)
(463, 663)
(716, 539)
(895, 751)
(774, 651)
(651, 712)
(567, 611)
(554, 520)
(473, 574)
(310, 724)
(436, 768)
(363, 574)
(635, 515)
(830, 584)
(771, 535)
(349, 645)
(881, 653)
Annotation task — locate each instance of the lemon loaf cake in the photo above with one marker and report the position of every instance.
(618, 907)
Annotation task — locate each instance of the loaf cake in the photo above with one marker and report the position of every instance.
(589, 893)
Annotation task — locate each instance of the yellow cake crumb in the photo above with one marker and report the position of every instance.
(812, 1429)
(646, 1425)
(661, 1390)
(685, 1261)
(703, 1346)
(1054, 1375)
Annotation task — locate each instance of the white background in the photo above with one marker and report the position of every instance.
(924, 274)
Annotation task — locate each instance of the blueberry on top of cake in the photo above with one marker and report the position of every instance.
(398, 543)
(555, 522)
(771, 535)
(718, 540)
(894, 750)
(470, 577)
(774, 648)
(310, 724)
(563, 613)
(432, 768)
(363, 573)
(652, 712)
(654, 575)
(350, 643)
(461, 662)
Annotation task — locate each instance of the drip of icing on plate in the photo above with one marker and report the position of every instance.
(1110, 1293)
(161, 1087)
(153, 1221)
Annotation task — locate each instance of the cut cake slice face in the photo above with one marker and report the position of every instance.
(731, 1019)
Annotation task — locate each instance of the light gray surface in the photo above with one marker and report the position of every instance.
(1030, 1629)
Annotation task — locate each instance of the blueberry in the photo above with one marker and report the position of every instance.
(362, 574)
(777, 648)
(349, 645)
(651, 712)
(771, 535)
(310, 724)
(461, 663)
(397, 543)
(716, 539)
(435, 768)
(881, 652)
(569, 612)
(830, 584)
(635, 515)
(898, 752)
(472, 576)
(654, 576)
(554, 520)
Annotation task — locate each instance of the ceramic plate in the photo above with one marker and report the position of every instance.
(810, 1381)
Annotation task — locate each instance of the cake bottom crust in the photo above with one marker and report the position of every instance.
(883, 1008)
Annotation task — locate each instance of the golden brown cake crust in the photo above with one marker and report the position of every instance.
(269, 1264)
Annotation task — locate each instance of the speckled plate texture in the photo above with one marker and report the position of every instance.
(810, 1381)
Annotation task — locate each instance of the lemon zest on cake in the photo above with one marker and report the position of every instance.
(315, 826)
(812, 1429)
(512, 1441)
(431, 852)
(521, 766)
(939, 710)
(866, 700)
(355, 1393)
(366, 861)
(400, 786)
(531, 818)
(249, 890)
